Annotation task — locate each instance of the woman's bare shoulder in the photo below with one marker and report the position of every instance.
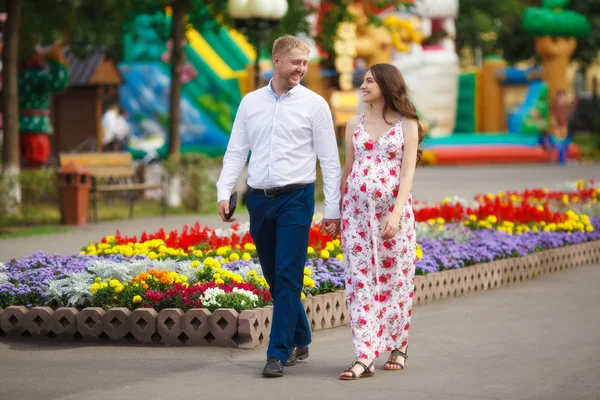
(353, 122)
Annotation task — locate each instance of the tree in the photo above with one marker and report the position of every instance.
(556, 31)
(10, 108)
(494, 27)
(587, 46)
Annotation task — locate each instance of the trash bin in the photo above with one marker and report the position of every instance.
(74, 188)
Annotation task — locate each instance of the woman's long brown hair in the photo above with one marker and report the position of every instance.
(395, 95)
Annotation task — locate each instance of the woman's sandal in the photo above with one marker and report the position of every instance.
(367, 372)
(394, 360)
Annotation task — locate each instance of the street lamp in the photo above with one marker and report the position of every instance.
(254, 18)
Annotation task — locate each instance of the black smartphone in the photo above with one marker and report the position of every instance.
(232, 205)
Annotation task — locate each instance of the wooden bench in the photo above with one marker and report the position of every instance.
(113, 172)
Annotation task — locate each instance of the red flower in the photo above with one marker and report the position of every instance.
(406, 327)
(387, 244)
(358, 248)
(378, 193)
(360, 285)
(363, 321)
(392, 172)
(363, 188)
(366, 171)
(369, 145)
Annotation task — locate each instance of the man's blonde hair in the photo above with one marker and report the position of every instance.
(288, 42)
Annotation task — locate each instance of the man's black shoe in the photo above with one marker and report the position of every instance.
(273, 369)
(298, 353)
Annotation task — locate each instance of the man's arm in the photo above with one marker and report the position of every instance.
(329, 159)
(234, 160)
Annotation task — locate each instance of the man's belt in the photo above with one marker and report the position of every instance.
(280, 190)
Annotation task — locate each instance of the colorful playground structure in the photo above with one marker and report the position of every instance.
(214, 79)
(489, 114)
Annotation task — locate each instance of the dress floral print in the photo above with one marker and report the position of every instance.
(379, 273)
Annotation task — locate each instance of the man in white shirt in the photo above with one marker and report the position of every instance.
(286, 127)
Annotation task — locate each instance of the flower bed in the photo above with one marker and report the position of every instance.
(199, 267)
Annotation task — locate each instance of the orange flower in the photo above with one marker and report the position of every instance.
(145, 286)
(143, 276)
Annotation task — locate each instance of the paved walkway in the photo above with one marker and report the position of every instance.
(535, 340)
(431, 184)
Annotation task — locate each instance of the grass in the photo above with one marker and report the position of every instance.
(588, 143)
(14, 232)
(45, 215)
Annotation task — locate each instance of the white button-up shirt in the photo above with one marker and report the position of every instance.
(285, 136)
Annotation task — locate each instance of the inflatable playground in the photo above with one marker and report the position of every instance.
(486, 114)
(484, 131)
(214, 79)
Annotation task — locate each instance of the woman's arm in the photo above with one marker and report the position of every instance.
(349, 160)
(409, 164)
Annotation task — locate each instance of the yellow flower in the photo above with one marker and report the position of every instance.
(110, 239)
(221, 251)
(234, 257)
(446, 200)
(440, 220)
(431, 221)
(540, 208)
(137, 299)
(219, 281)
(308, 282)
(152, 255)
(195, 264)
(310, 250)
(197, 253)
(246, 256)
(252, 273)
(329, 246)
(302, 295)
(216, 276)
(340, 257)
(209, 262)
(249, 247)
(307, 271)
(472, 217)
(324, 254)
(492, 219)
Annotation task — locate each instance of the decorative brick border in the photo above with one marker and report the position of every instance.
(250, 328)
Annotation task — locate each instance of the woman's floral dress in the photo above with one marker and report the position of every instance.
(379, 273)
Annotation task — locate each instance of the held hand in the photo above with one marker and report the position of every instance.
(331, 226)
(391, 226)
(224, 210)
